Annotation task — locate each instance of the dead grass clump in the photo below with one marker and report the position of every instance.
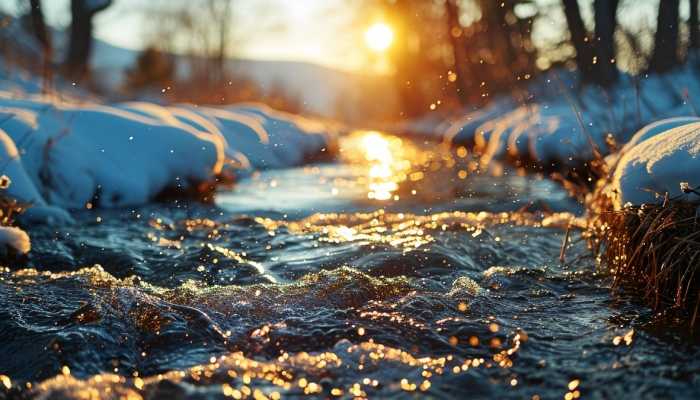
(655, 249)
(9, 207)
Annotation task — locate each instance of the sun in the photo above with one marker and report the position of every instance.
(379, 37)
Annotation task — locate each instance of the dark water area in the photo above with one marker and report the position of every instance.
(396, 272)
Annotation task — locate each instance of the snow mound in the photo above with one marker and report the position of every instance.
(65, 155)
(559, 125)
(79, 154)
(657, 128)
(663, 164)
(15, 239)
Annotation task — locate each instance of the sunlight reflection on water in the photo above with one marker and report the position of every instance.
(381, 171)
(391, 166)
(399, 270)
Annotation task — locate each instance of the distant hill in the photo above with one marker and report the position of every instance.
(323, 90)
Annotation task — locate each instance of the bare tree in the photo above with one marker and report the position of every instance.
(38, 24)
(665, 55)
(456, 35)
(494, 52)
(202, 30)
(44, 38)
(221, 14)
(581, 40)
(80, 42)
(595, 54)
(604, 41)
(694, 25)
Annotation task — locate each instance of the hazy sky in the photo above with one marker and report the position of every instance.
(305, 30)
(328, 32)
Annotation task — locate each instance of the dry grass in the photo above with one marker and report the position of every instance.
(9, 207)
(654, 249)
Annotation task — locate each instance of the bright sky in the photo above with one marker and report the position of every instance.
(301, 30)
(320, 31)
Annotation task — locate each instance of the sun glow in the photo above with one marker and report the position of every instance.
(379, 37)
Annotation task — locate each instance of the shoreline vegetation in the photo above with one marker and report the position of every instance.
(653, 250)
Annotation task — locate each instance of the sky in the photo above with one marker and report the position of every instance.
(298, 30)
(326, 32)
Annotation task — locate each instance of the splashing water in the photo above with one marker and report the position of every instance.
(398, 272)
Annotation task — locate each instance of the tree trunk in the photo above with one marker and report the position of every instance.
(44, 38)
(604, 41)
(462, 67)
(581, 40)
(694, 25)
(665, 55)
(221, 14)
(80, 44)
(38, 24)
(407, 76)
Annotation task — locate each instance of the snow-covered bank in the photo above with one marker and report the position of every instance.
(13, 239)
(558, 125)
(68, 155)
(642, 220)
(658, 166)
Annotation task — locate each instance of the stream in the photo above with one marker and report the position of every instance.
(396, 271)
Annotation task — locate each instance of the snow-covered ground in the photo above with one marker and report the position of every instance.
(559, 125)
(62, 155)
(664, 160)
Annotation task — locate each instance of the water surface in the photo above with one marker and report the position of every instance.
(398, 271)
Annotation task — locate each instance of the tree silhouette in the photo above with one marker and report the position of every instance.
(80, 42)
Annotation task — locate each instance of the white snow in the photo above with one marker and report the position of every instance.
(657, 128)
(659, 166)
(14, 238)
(561, 126)
(66, 155)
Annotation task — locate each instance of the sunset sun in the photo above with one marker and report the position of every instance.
(379, 37)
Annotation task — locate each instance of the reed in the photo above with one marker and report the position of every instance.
(654, 249)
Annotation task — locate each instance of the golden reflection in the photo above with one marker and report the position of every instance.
(390, 168)
(294, 375)
(290, 374)
(407, 231)
(388, 160)
(385, 171)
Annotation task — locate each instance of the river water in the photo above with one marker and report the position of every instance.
(395, 272)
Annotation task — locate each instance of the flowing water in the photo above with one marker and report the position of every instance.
(394, 272)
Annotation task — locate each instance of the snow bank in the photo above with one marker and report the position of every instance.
(79, 154)
(561, 126)
(66, 155)
(14, 239)
(665, 163)
(657, 128)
